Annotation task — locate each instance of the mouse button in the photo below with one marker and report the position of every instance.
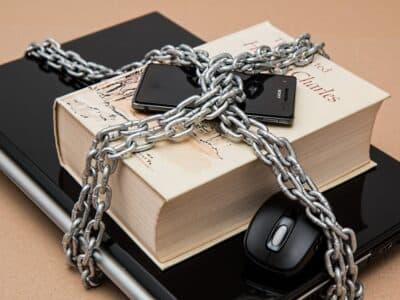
(294, 210)
(280, 233)
(307, 233)
(299, 247)
(259, 230)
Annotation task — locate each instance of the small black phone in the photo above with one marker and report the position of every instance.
(270, 98)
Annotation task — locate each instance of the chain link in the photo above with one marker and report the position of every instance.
(222, 91)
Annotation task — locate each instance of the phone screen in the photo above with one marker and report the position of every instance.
(270, 98)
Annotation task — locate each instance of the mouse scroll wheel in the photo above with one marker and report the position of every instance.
(279, 235)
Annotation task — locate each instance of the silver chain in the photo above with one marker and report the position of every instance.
(222, 91)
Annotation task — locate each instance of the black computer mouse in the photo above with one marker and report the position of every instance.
(281, 238)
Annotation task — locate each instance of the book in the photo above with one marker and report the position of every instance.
(178, 199)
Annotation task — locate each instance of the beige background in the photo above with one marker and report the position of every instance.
(363, 36)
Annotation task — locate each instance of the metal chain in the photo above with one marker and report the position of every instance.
(222, 91)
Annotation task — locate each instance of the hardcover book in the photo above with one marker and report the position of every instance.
(178, 199)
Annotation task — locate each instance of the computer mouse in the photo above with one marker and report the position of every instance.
(281, 238)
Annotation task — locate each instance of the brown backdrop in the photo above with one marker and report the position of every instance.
(363, 36)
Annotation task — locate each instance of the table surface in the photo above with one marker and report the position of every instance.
(363, 36)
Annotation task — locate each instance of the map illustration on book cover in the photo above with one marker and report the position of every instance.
(115, 108)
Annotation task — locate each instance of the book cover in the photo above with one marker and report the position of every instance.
(326, 94)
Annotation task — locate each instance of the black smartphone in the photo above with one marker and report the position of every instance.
(270, 98)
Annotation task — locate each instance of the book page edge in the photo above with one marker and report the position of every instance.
(240, 227)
